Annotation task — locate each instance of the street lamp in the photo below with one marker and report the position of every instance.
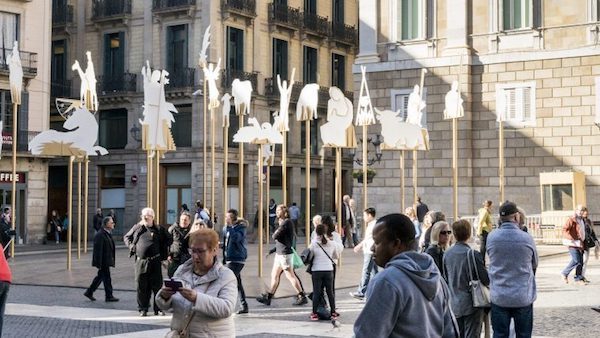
(370, 161)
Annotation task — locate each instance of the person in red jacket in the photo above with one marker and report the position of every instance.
(5, 280)
(573, 237)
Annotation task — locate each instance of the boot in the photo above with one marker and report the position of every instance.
(265, 298)
(301, 299)
(244, 308)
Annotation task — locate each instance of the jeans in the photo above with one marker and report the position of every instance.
(4, 286)
(482, 243)
(368, 271)
(103, 276)
(322, 279)
(237, 269)
(575, 263)
(522, 316)
(470, 325)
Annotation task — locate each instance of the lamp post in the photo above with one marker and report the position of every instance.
(370, 161)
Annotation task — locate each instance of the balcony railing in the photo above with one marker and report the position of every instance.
(167, 5)
(228, 75)
(344, 33)
(61, 88)
(315, 24)
(117, 83)
(62, 15)
(181, 78)
(107, 9)
(284, 15)
(28, 61)
(242, 7)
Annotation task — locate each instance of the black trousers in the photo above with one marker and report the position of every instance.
(148, 276)
(322, 279)
(103, 276)
(237, 269)
(483, 243)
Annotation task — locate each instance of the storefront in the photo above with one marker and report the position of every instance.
(6, 201)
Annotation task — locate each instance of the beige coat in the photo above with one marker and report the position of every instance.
(215, 302)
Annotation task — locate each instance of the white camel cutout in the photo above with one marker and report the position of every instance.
(454, 103)
(242, 94)
(79, 139)
(15, 76)
(285, 93)
(88, 82)
(306, 108)
(399, 135)
(259, 134)
(205, 43)
(364, 111)
(226, 109)
(158, 113)
(415, 107)
(211, 75)
(339, 130)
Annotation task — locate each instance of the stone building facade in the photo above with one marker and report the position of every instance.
(534, 62)
(254, 40)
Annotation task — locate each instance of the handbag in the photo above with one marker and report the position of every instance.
(480, 294)
(183, 333)
(296, 260)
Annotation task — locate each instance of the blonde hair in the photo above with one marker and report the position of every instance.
(435, 234)
(410, 213)
(318, 219)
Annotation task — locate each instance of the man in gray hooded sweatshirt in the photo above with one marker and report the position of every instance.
(409, 298)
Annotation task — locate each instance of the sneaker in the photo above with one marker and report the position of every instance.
(580, 282)
(301, 300)
(597, 308)
(264, 299)
(89, 295)
(159, 313)
(587, 281)
(357, 295)
(143, 313)
(112, 299)
(314, 317)
(334, 315)
(565, 279)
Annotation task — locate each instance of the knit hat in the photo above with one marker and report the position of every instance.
(508, 208)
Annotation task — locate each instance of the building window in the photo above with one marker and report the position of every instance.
(515, 104)
(234, 125)
(280, 58)
(177, 48)
(235, 49)
(337, 11)
(112, 176)
(310, 6)
(314, 137)
(6, 111)
(310, 65)
(516, 14)
(181, 129)
(178, 191)
(400, 103)
(58, 70)
(9, 30)
(114, 55)
(113, 128)
(338, 71)
(112, 193)
(409, 19)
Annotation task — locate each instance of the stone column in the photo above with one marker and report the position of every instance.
(367, 37)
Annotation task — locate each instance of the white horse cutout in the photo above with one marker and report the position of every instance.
(306, 108)
(79, 139)
(257, 133)
(399, 135)
(15, 76)
(339, 130)
(242, 94)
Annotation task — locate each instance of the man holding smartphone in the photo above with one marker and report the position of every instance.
(236, 251)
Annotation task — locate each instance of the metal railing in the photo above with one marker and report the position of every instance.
(62, 15)
(344, 33)
(228, 75)
(61, 88)
(247, 7)
(284, 15)
(28, 61)
(125, 82)
(102, 9)
(181, 78)
(159, 5)
(315, 24)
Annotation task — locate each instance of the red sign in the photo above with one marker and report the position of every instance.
(7, 177)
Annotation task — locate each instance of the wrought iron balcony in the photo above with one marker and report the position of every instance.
(103, 10)
(181, 78)
(61, 88)
(315, 24)
(284, 16)
(343, 33)
(117, 83)
(228, 75)
(246, 8)
(167, 6)
(28, 62)
(62, 15)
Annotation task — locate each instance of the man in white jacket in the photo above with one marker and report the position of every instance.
(369, 267)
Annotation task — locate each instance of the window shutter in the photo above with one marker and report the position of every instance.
(120, 66)
(22, 123)
(526, 104)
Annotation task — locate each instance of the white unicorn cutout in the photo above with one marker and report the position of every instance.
(15, 75)
(88, 83)
(339, 130)
(400, 135)
(78, 140)
(242, 94)
(257, 133)
(158, 113)
(306, 108)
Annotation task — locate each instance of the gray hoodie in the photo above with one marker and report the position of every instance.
(407, 299)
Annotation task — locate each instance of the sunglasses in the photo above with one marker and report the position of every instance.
(446, 232)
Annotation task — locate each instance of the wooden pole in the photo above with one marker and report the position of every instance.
(70, 213)
(338, 190)
(85, 204)
(307, 178)
(149, 179)
(268, 179)
(241, 168)
(415, 176)
(284, 166)
(402, 182)
(260, 212)
(157, 186)
(225, 167)
(455, 167)
(212, 164)
(204, 140)
(501, 161)
(364, 168)
(13, 193)
(79, 209)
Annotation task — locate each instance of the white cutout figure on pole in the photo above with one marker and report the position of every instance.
(401, 135)
(205, 43)
(226, 109)
(285, 93)
(268, 152)
(339, 130)
(211, 75)
(15, 75)
(364, 114)
(242, 94)
(79, 139)
(415, 107)
(454, 103)
(158, 113)
(306, 108)
(257, 133)
(88, 82)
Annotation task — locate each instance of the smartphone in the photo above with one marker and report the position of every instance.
(173, 284)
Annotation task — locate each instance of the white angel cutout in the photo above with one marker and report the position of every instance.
(226, 109)
(15, 75)
(87, 90)
(205, 43)
(364, 113)
(415, 107)
(258, 134)
(211, 75)
(242, 95)
(158, 113)
(339, 130)
(454, 103)
(400, 135)
(285, 93)
(306, 108)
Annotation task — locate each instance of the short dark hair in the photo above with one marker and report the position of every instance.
(234, 213)
(398, 226)
(328, 221)
(462, 230)
(105, 221)
(370, 211)
(199, 204)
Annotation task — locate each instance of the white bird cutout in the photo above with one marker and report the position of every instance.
(257, 133)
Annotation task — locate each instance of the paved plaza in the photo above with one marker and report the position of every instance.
(46, 300)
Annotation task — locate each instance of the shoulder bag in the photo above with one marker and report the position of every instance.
(332, 261)
(480, 293)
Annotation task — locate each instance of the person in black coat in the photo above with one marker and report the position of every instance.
(178, 250)
(98, 217)
(103, 258)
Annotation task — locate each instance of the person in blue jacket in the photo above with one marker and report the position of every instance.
(236, 251)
